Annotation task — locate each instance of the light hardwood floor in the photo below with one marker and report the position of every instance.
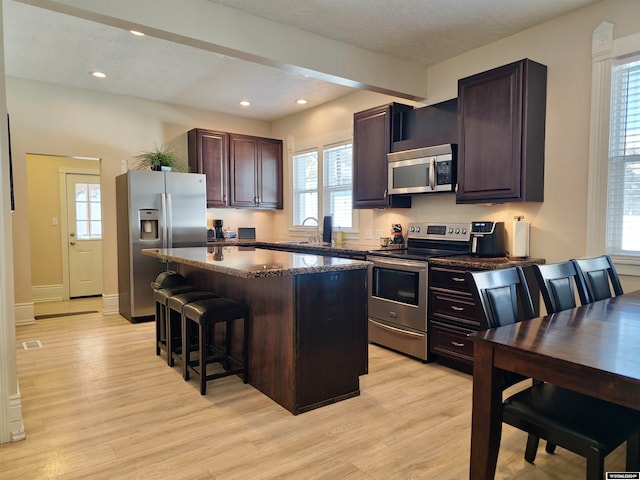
(98, 404)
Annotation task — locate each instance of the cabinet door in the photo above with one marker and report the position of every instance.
(374, 130)
(490, 141)
(209, 154)
(501, 128)
(371, 143)
(269, 181)
(243, 153)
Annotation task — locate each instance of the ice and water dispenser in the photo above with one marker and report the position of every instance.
(148, 220)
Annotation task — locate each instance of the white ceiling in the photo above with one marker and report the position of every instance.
(57, 48)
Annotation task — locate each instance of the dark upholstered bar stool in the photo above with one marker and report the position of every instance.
(165, 285)
(175, 303)
(161, 297)
(206, 314)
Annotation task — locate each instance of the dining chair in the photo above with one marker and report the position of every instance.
(558, 283)
(598, 273)
(582, 424)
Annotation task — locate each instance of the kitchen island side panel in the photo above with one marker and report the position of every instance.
(271, 302)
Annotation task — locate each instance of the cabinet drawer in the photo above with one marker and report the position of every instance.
(454, 308)
(448, 278)
(450, 342)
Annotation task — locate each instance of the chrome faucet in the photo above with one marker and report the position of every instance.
(313, 237)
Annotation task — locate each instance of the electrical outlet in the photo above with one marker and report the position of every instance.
(54, 221)
(378, 233)
(124, 166)
(367, 234)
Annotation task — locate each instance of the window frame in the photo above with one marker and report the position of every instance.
(319, 144)
(605, 50)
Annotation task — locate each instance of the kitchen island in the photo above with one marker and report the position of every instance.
(308, 317)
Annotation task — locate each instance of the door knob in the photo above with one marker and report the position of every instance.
(72, 243)
(72, 234)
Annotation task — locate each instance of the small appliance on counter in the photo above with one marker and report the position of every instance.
(396, 234)
(217, 225)
(488, 239)
(327, 229)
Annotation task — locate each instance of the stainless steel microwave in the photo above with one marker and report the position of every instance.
(423, 170)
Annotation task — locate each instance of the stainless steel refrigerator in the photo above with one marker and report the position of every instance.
(154, 210)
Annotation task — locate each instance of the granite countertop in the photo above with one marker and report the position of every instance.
(351, 249)
(464, 261)
(247, 261)
(480, 263)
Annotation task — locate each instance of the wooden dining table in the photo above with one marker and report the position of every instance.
(593, 349)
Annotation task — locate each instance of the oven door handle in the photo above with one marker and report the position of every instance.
(397, 330)
(416, 265)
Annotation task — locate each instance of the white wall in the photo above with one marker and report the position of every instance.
(53, 120)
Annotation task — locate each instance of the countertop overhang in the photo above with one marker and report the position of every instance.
(254, 262)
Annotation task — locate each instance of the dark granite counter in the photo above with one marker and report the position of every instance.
(464, 261)
(480, 263)
(249, 261)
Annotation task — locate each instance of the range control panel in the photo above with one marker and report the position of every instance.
(440, 231)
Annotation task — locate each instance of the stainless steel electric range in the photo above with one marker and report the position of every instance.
(398, 285)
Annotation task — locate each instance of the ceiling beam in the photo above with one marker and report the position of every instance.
(205, 25)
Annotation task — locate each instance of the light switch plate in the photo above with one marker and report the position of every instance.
(378, 233)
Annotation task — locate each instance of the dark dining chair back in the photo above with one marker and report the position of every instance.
(600, 277)
(503, 296)
(558, 283)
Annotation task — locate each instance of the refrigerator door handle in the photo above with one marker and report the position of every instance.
(169, 222)
(163, 215)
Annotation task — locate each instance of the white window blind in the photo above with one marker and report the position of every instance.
(338, 184)
(305, 186)
(623, 207)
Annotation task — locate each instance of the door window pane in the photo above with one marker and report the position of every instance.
(88, 211)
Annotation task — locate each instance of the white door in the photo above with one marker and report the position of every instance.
(84, 224)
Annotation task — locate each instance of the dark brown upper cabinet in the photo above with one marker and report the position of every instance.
(501, 115)
(374, 132)
(209, 154)
(255, 172)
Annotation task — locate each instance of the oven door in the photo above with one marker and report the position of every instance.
(398, 292)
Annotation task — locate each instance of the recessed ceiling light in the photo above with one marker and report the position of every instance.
(301, 101)
(98, 74)
(136, 32)
(245, 103)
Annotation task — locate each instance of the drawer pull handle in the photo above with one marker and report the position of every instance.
(457, 309)
(457, 279)
(457, 344)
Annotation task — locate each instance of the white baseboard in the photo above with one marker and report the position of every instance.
(46, 293)
(25, 314)
(15, 424)
(110, 304)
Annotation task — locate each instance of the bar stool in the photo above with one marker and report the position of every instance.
(164, 286)
(206, 314)
(175, 303)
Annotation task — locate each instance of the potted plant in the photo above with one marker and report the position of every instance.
(160, 158)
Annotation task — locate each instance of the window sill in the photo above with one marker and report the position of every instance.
(626, 265)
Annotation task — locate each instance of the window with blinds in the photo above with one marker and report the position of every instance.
(305, 186)
(323, 185)
(338, 184)
(623, 207)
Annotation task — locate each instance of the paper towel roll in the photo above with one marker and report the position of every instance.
(520, 246)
